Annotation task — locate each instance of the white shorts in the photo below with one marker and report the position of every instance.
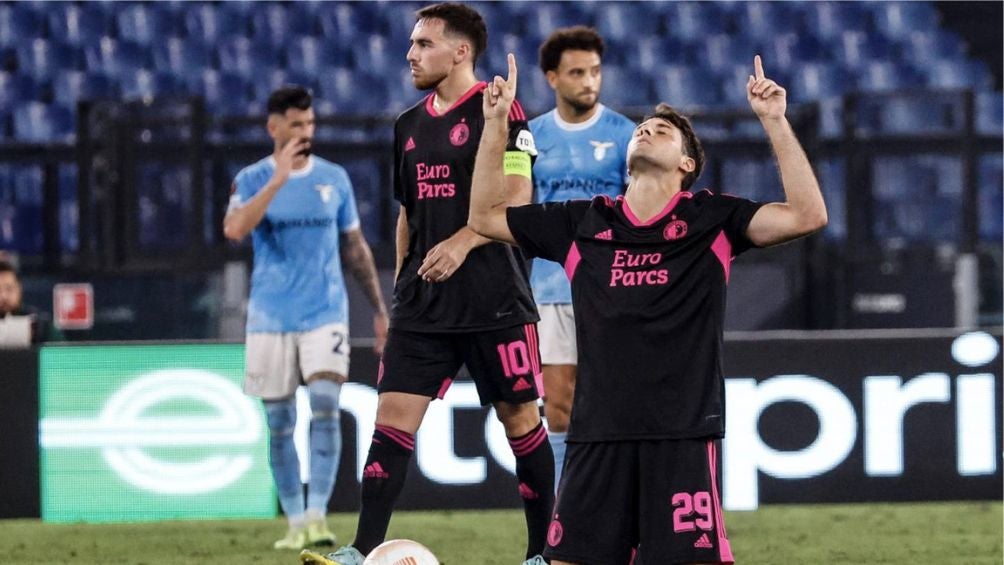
(557, 335)
(277, 363)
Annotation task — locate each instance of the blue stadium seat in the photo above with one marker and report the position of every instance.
(540, 22)
(368, 186)
(906, 194)
(832, 180)
(829, 20)
(897, 20)
(275, 23)
(761, 19)
(990, 179)
(353, 93)
(785, 51)
(683, 86)
(692, 21)
(43, 59)
(311, 54)
(263, 86)
(342, 22)
(19, 22)
(647, 53)
(113, 57)
(733, 85)
(751, 178)
(990, 113)
(536, 95)
(145, 23)
(37, 122)
(626, 21)
(71, 87)
(21, 208)
(77, 24)
(226, 93)
(376, 53)
(920, 47)
(913, 115)
(957, 73)
(625, 87)
(722, 50)
(185, 58)
(886, 76)
(855, 48)
(247, 58)
(212, 23)
(815, 81)
(148, 84)
(16, 88)
(494, 61)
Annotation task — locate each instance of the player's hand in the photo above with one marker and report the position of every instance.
(499, 93)
(443, 260)
(380, 325)
(767, 98)
(284, 160)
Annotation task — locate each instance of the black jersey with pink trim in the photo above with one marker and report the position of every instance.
(649, 301)
(433, 165)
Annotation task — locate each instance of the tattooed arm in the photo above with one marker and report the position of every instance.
(357, 258)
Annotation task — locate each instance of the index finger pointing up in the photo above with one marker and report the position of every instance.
(511, 80)
(757, 67)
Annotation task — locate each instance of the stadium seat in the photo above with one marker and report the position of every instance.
(832, 175)
(311, 54)
(814, 81)
(990, 113)
(145, 23)
(494, 61)
(21, 208)
(763, 19)
(990, 179)
(71, 87)
(263, 86)
(886, 76)
(692, 21)
(913, 115)
(647, 53)
(185, 58)
(722, 50)
(276, 23)
(43, 59)
(147, 84)
(376, 53)
(683, 86)
(225, 93)
(246, 58)
(829, 20)
(113, 57)
(212, 23)
(36, 122)
(854, 49)
(920, 47)
(626, 21)
(342, 22)
(19, 22)
(353, 93)
(16, 88)
(785, 51)
(539, 23)
(77, 24)
(957, 73)
(897, 20)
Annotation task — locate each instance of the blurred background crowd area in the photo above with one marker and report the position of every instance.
(123, 123)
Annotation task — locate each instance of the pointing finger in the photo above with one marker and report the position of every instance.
(758, 67)
(511, 80)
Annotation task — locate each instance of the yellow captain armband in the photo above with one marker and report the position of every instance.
(516, 163)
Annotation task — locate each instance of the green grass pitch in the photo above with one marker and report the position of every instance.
(968, 533)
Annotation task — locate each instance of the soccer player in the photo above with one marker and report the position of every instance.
(302, 215)
(459, 298)
(581, 151)
(648, 274)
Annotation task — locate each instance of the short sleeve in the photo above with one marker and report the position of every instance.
(546, 230)
(242, 189)
(741, 211)
(399, 192)
(520, 136)
(348, 214)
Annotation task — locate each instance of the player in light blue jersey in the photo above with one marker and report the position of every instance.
(582, 151)
(301, 214)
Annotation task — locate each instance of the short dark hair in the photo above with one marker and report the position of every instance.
(289, 96)
(460, 20)
(691, 144)
(7, 267)
(580, 38)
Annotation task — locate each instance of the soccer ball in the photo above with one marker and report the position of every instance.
(401, 552)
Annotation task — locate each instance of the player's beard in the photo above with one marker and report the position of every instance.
(425, 82)
(579, 106)
(305, 152)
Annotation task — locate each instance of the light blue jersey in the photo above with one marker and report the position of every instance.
(574, 162)
(297, 282)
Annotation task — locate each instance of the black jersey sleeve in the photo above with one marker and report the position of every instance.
(400, 194)
(520, 137)
(546, 230)
(740, 212)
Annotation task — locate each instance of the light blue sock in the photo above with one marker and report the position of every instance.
(557, 440)
(281, 415)
(325, 443)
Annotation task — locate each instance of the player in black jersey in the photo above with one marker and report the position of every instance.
(648, 274)
(459, 298)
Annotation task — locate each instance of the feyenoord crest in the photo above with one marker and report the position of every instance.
(460, 134)
(675, 230)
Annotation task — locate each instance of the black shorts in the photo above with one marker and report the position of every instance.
(504, 364)
(661, 496)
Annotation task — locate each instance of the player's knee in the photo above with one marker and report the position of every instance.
(557, 420)
(281, 416)
(517, 419)
(324, 395)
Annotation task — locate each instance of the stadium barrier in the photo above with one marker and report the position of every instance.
(143, 431)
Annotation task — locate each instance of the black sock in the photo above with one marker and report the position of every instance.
(535, 472)
(383, 479)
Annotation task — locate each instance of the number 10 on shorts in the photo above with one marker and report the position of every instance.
(515, 358)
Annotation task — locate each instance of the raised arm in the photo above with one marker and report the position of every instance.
(488, 195)
(239, 222)
(803, 211)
